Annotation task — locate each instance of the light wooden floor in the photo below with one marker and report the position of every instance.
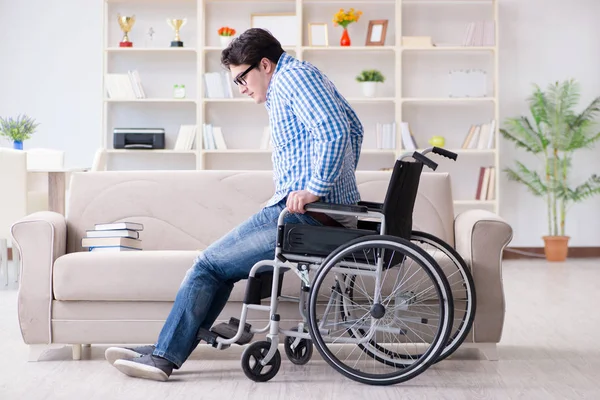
(550, 350)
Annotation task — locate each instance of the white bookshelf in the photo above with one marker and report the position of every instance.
(415, 90)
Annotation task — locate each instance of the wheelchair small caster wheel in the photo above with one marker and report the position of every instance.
(251, 358)
(301, 354)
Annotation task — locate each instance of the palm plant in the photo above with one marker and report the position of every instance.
(554, 134)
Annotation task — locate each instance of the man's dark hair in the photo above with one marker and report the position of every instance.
(250, 47)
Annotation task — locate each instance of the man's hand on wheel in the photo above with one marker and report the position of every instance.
(298, 199)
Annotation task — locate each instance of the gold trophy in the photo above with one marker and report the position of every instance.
(176, 24)
(126, 23)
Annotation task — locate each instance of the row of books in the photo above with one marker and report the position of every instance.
(386, 135)
(212, 138)
(486, 183)
(118, 236)
(408, 139)
(218, 85)
(186, 137)
(480, 33)
(481, 136)
(124, 86)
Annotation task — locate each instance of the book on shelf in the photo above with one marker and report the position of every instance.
(125, 86)
(218, 85)
(118, 236)
(481, 136)
(486, 183)
(212, 138)
(480, 33)
(186, 137)
(408, 139)
(386, 135)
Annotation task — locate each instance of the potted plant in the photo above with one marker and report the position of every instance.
(369, 80)
(554, 134)
(18, 130)
(344, 18)
(226, 35)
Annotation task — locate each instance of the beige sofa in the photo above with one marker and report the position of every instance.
(68, 296)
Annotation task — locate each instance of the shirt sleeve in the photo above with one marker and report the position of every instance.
(313, 102)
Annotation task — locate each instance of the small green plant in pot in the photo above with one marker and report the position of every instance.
(556, 132)
(18, 130)
(369, 79)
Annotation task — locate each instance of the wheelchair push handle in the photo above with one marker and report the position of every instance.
(422, 158)
(443, 153)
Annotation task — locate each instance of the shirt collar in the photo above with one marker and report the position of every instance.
(283, 60)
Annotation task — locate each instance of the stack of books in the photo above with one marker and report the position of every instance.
(118, 236)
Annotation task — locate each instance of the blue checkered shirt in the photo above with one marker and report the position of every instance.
(315, 134)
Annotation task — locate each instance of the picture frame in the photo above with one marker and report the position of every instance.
(318, 34)
(279, 25)
(377, 32)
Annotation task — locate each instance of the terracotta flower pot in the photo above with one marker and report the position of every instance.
(556, 247)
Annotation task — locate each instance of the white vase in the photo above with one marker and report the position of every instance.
(369, 88)
(225, 40)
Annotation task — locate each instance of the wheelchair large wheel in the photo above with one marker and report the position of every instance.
(388, 297)
(461, 283)
(463, 294)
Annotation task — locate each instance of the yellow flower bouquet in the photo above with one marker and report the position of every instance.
(345, 18)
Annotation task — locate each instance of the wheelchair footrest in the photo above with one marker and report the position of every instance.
(227, 331)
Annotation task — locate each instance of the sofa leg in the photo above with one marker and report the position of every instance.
(4, 260)
(36, 350)
(76, 352)
(489, 350)
(16, 263)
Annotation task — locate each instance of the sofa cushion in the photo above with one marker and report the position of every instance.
(132, 276)
(121, 276)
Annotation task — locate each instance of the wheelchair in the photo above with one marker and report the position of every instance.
(381, 302)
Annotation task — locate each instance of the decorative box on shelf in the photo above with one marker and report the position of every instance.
(417, 41)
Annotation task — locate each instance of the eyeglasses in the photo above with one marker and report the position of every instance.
(239, 80)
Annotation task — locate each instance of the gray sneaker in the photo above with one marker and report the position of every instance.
(113, 354)
(147, 367)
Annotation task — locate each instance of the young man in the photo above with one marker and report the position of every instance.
(316, 140)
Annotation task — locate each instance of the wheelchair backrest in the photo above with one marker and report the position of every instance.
(400, 197)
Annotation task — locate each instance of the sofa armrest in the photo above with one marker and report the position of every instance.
(40, 238)
(480, 238)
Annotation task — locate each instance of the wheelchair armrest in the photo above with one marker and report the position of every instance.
(372, 206)
(320, 206)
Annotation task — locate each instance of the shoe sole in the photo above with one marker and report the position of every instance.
(113, 354)
(137, 370)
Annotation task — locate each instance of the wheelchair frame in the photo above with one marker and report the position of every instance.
(302, 265)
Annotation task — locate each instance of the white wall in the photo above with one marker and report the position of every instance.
(50, 68)
(542, 41)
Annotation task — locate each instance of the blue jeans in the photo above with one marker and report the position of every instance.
(208, 284)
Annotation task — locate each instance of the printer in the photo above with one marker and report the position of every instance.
(139, 138)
